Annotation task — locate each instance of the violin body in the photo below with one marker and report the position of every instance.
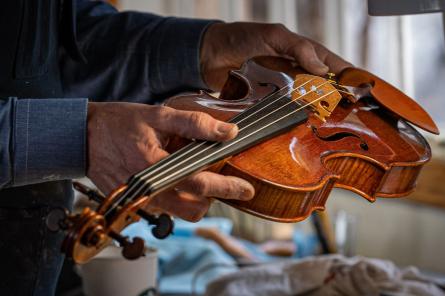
(362, 146)
(299, 137)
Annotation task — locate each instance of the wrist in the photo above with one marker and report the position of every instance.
(92, 123)
(209, 52)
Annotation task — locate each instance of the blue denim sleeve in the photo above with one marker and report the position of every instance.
(42, 140)
(133, 56)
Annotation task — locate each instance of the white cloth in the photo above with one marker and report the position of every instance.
(325, 276)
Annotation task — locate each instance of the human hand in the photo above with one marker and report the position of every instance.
(125, 138)
(226, 46)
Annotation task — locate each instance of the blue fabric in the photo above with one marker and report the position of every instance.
(182, 256)
(187, 262)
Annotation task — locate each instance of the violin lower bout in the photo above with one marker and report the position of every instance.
(275, 203)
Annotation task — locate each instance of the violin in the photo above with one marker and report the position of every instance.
(299, 136)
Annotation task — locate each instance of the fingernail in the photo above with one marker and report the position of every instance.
(226, 128)
(247, 194)
(317, 63)
(247, 191)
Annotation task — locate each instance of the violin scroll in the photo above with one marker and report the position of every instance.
(89, 232)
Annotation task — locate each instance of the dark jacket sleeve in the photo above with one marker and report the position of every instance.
(132, 56)
(42, 140)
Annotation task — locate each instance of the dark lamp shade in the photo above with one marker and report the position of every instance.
(402, 7)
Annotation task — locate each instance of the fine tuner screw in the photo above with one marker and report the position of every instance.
(330, 76)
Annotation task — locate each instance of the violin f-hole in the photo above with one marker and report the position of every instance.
(340, 135)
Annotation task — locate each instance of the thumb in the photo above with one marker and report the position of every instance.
(195, 125)
(304, 53)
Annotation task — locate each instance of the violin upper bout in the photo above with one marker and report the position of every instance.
(390, 97)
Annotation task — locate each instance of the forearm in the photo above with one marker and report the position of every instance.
(42, 140)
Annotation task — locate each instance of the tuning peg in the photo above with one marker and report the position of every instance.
(56, 219)
(131, 249)
(164, 224)
(134, 249)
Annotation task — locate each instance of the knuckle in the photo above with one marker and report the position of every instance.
(229, 190)
(277, 28)
(152, 155)
(304, 46)
(161, 111)
(200, 186)
(197, 119)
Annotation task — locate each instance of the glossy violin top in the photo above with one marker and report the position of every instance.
(299, 137)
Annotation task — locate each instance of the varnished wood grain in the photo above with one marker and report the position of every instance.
(294, 173)
(385, 93)
(430, 190)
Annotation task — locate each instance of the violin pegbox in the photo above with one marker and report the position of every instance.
(317, 92)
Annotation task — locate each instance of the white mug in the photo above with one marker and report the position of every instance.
(110, 274)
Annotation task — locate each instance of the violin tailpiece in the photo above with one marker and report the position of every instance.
(389, 97)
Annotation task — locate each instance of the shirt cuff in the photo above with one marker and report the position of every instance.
(49, 140)
(178, 54)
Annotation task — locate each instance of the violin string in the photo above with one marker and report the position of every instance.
(238, 140)
(346, 92)
(261, 118)
(341, 85)
(207, 148)
(123, 197)
(171, 158)
(186, 150)
(250, 115)
(202, 151)
(162, 164)
(341, 90)
(153, 169)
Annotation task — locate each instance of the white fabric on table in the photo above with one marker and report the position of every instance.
(327, 275)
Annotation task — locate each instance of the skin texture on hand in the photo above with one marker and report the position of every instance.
(125, 138)
(226, 46)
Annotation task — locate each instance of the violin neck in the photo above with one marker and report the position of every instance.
(260, 122)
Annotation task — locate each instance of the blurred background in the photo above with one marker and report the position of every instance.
(407, 51)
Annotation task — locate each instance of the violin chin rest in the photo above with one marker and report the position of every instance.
(389, 97)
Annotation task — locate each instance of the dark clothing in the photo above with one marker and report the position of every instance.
(45, 54)
(30, 254)
(30, 257)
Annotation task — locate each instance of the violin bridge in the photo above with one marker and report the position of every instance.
(316, 92)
